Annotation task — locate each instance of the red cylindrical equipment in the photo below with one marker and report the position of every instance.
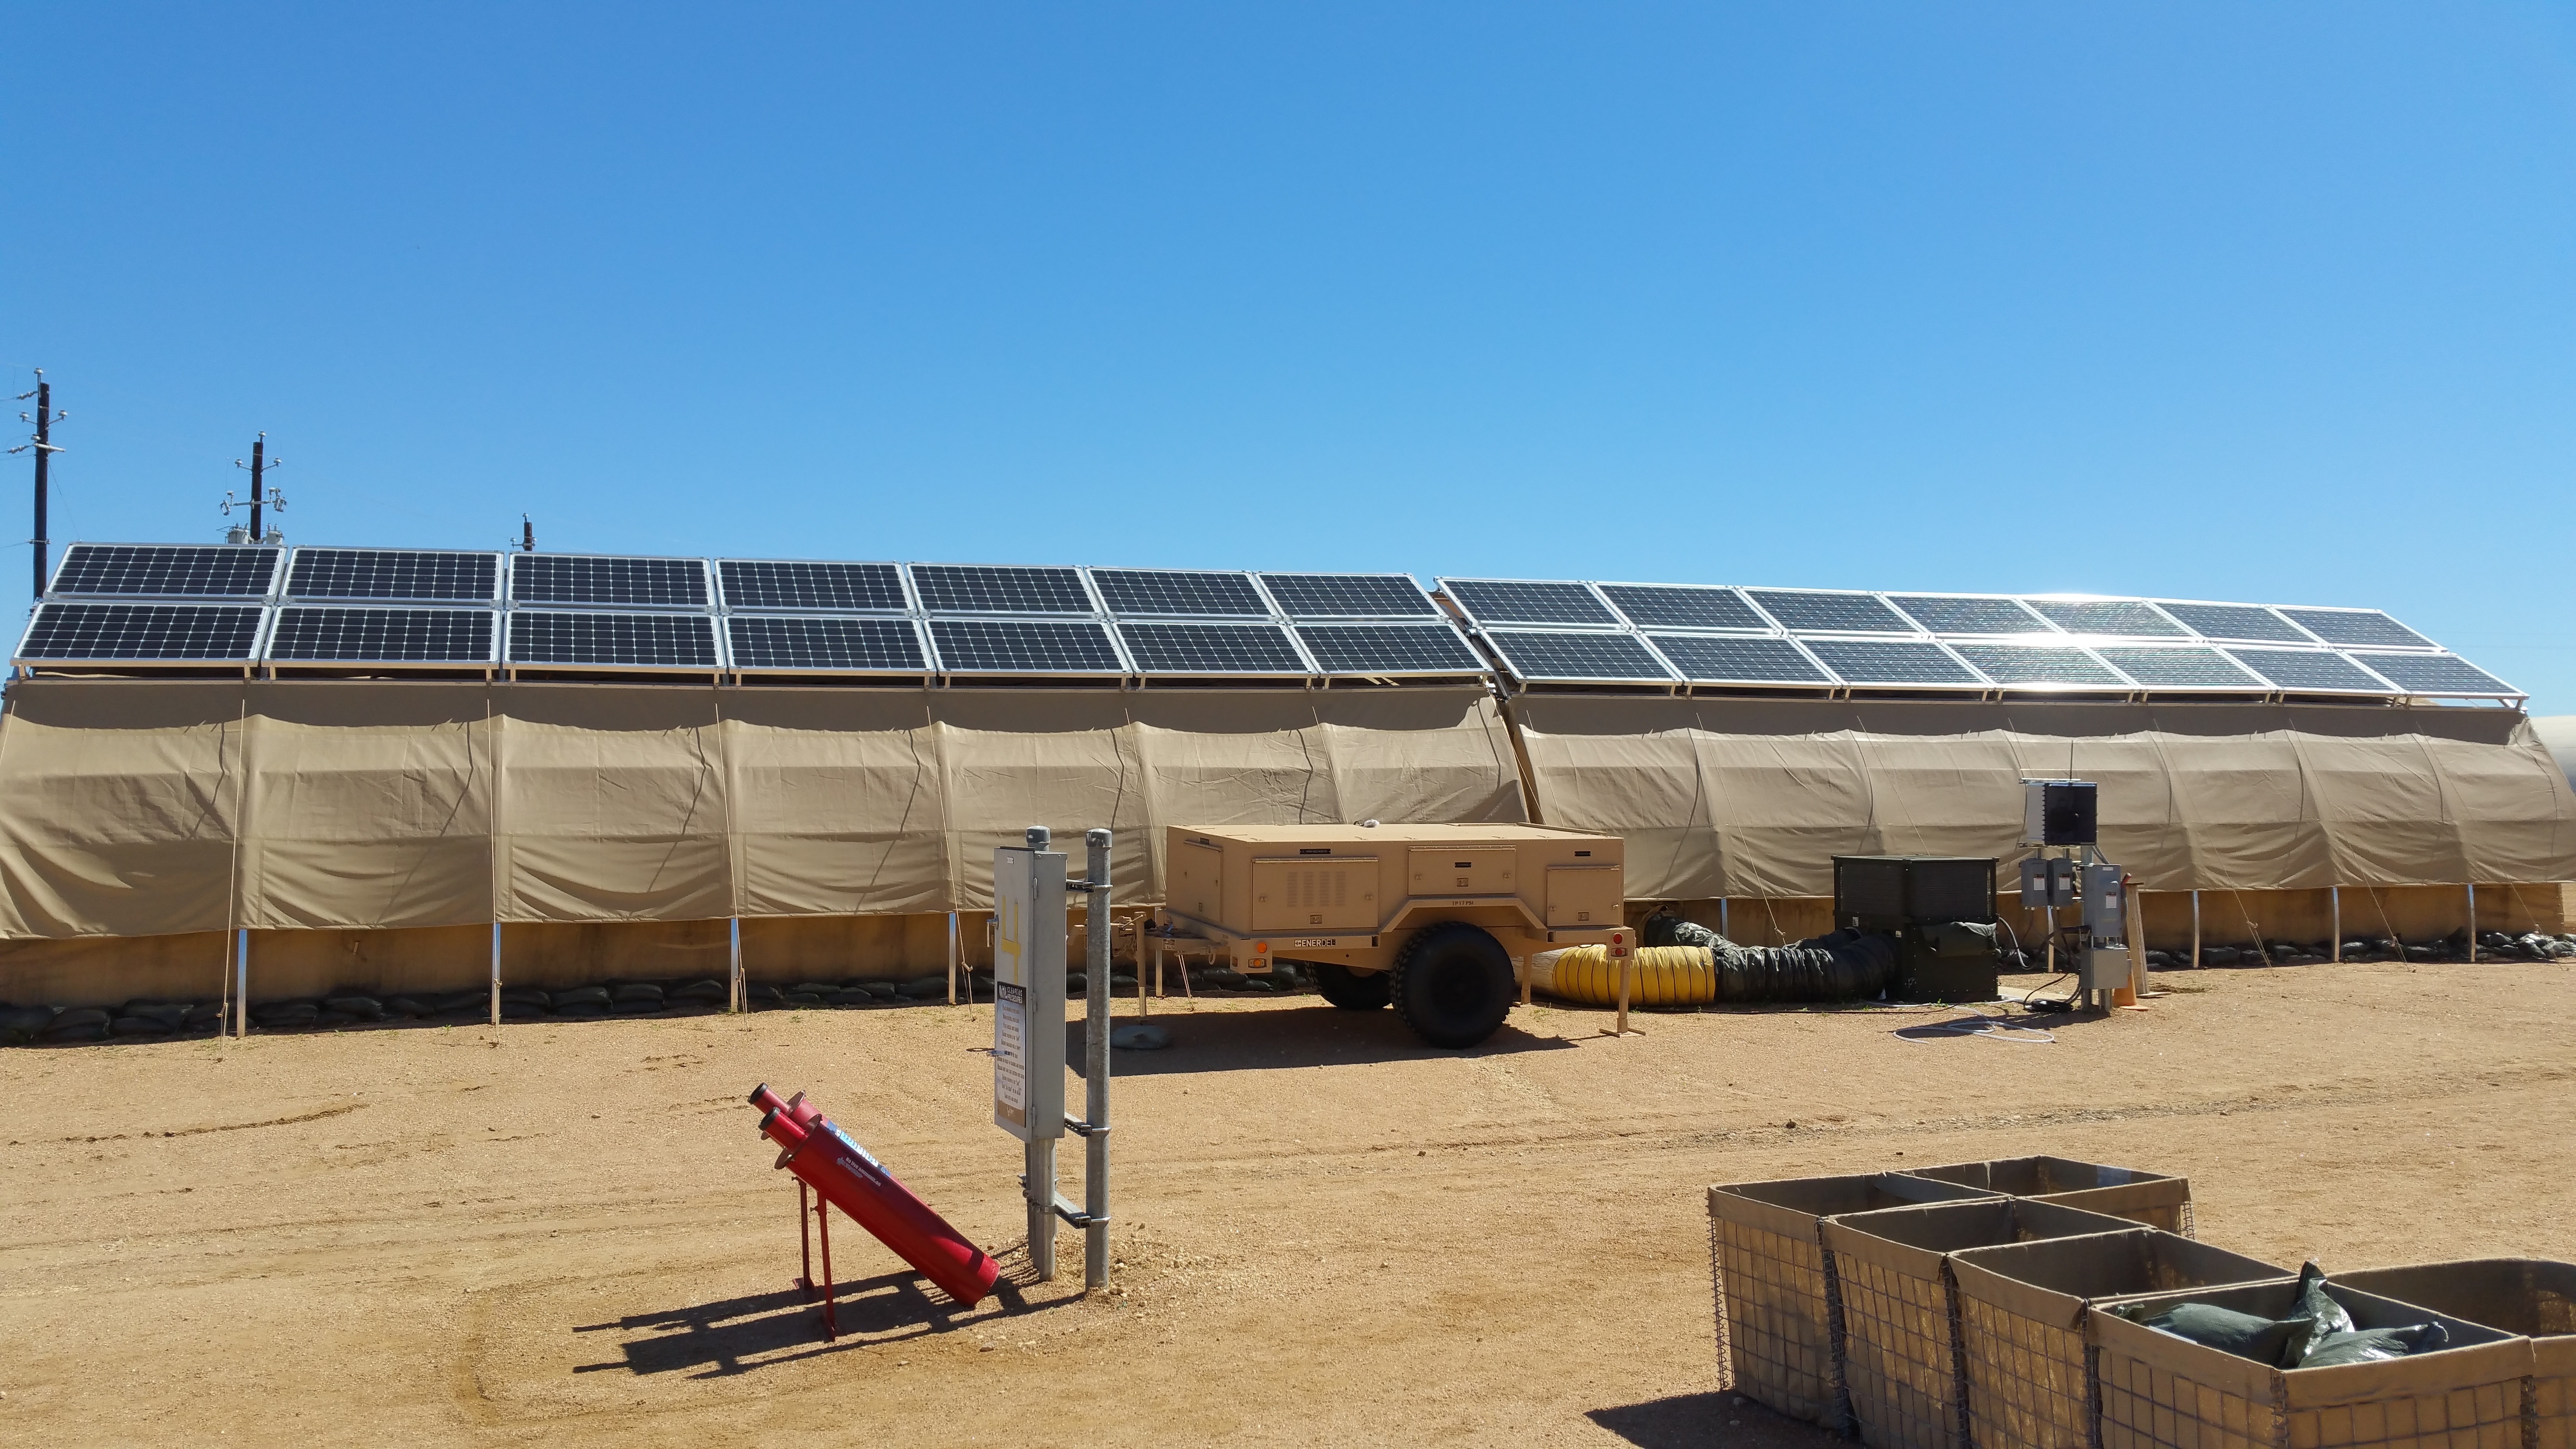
(852, 1180)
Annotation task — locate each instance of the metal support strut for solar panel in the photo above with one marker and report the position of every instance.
(42, 445)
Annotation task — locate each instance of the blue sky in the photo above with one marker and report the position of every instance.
(2213, 301)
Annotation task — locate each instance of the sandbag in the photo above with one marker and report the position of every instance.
(2275, 1341)
(2370, 1345)
(2316, 1305)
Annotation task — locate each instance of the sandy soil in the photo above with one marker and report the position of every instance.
(568, 1233)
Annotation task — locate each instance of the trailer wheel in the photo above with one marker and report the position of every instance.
(1354, 990)
(1453, 984)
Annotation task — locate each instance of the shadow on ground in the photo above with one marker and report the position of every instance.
(1317, 1035)
(1690, 1421)
(762, 1330)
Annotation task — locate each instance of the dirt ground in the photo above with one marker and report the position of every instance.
(569, 1233)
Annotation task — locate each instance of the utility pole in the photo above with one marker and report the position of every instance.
(44, 448)
(259, 466)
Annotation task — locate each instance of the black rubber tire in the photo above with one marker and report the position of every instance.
(1453, 984)
(1354, 990)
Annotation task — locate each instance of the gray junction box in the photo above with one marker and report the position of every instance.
(1028, 993)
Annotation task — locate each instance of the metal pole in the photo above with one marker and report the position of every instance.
(2473, 923)
(258, 468)
(734, 982)
(2334, 908)
(496, 973)
(952, 958)
(1624, 963)
(44, 454)
(2195, 930)
(1095, 1067)
(1721, 918)
(1039, 1158)
(241, 983)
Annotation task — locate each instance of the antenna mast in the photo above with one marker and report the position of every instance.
(259, 467)
(43, 446)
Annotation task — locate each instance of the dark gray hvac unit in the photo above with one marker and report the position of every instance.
(1940, 909)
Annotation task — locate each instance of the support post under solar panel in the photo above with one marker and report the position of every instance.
(2334, 914)
(241, 983)
(733, 980)
(496, 973)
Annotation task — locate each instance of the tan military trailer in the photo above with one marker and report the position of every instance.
(1430, 918)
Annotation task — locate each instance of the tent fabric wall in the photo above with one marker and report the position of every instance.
(1728, 797)
(385, 805)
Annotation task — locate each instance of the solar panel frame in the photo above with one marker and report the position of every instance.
(2396, 667)
(1837, 652)
(1375, 596)
(1995, 660)
(1123, 592)
(1333, 645)
(2133, 659)
(2283, 667)
(748, 652)
(1918, 607)
(1680, 652)
(739, 587)
(290, 618)
(98, 615)
(1521, 649)
(950, 646)
(1648, 607)
(299, 585)
(2206, 619)
(2353, 628)
(520, 622)
(110, 570)
(1154, 645)
(688, 576)
(2064, 613)
(1849, 605)
(1511, 603)
(984, 591)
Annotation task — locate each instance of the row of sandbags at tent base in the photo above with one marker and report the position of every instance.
(1898, 1309)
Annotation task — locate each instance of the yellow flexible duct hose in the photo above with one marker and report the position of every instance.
(1664, 976)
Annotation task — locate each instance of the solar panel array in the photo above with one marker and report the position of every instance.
(128, 606)
(1577, 634)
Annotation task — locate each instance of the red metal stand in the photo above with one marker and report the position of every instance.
(805, 1249)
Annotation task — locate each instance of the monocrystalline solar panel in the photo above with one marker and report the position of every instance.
(197, 571)
(1181, 593)
(392, 573)
(1802, 609)
(1527, 601)
(564, 578)
(1212, 649)
(751, 583)
(2037, 664)
(2107, 616)
(2308, 669)
(1675, 606)
(634, 641)
(2367, 628)
(988, 589)
(1024, 646)
(2179, 668)
(1739, 661)
(383, 636)
(1536, 655)
(1349, 596)
(1378, 649)
(186, 633)
(2434, 674)
(858, 646)
(1944, 614)
(2235, 621)
(1890, 661)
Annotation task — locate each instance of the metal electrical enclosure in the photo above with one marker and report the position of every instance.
(2047, 883)
(2057, 812)
(2106, 930)
(1028, 993)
